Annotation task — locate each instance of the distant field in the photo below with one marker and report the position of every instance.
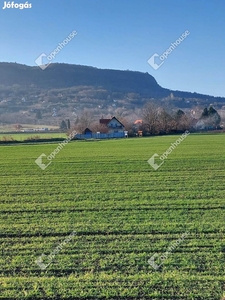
(123, 212)
(8, 128)
(24, 136)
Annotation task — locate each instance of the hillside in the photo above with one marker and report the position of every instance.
(63, 91)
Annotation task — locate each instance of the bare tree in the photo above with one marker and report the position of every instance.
(84, 120)
(128, 124)
(182, 121)
(97, 127)
(150, 116)
(166, 122)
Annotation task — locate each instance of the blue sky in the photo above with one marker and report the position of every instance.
(124, 34)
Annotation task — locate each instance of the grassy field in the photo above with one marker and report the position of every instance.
(11, 127)
(121, 212)
(24, 136)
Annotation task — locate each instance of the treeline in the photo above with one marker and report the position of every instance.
(154, 120)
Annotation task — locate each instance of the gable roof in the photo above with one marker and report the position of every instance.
(104, 121)
(114, 118)
(87, 130)
(107, 121)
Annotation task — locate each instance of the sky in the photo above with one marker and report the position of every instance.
(124, 35)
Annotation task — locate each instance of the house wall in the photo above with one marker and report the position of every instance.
(115, 126)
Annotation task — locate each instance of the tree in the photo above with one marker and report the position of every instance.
(96, 127)
(63, 126)
(210, 117)
(214, 117)
(165, 121)
(128, 125)
(179, 114)
(84, 120)
(68, 123)
(205, 114)
(150, 116)
(182, 121)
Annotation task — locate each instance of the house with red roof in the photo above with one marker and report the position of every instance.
(109, 128)
(112, 125)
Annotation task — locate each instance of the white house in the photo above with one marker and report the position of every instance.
(113, 125)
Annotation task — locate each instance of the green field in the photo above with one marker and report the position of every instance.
(11, 127)
(123, 212)
(25, 136)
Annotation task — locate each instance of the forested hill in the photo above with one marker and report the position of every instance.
(66, 75)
